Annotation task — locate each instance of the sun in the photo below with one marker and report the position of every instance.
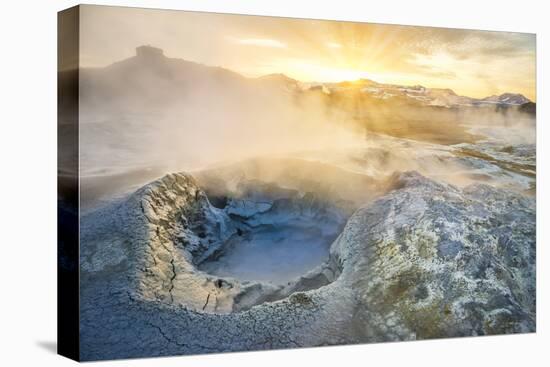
(324, 73)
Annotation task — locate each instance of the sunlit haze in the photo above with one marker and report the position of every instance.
(472, 63)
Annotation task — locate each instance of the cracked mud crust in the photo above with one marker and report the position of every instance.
(425, 260)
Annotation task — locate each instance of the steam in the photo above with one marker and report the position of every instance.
(159, 115)
(194, 122)
(214, 127)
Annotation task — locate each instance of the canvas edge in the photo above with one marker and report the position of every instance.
(68, 214)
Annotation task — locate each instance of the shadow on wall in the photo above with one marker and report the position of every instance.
(48, 345)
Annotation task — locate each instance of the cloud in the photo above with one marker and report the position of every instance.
(333, 45)
(262, 42)
(468, 44)
(436, 72)
(255, 46)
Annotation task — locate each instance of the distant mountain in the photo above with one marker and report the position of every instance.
(422, 95)
(140, 111)
(150, 80)
(128, 107)
(282, 81)
(507, 98)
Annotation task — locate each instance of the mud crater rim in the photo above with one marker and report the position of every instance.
(258, 245)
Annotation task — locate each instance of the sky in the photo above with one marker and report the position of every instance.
(472, 63)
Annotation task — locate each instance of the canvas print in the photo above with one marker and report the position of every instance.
(239, 183)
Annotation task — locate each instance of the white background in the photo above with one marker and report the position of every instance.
(28, 182)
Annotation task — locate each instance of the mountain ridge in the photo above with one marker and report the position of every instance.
(183, 72)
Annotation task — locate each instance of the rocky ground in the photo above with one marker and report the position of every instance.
(424, 260)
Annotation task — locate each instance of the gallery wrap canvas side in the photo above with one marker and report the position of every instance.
(68, 335)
